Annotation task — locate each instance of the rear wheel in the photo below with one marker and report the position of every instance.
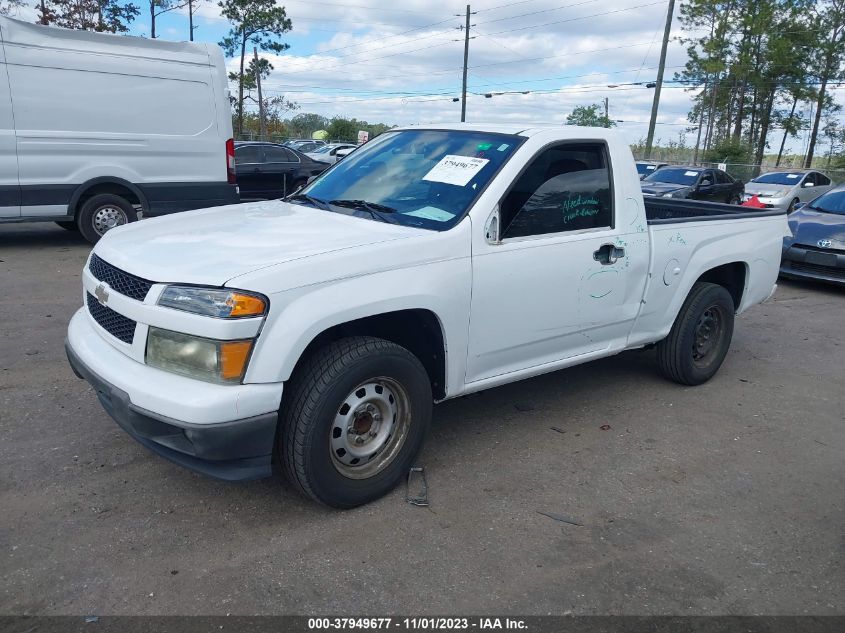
(734, 199)
(700, 337)
(103, 212)
(353, 420)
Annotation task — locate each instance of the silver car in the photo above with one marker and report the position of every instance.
(329, 153)
(785, 189)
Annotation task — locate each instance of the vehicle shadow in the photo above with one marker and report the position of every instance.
(37, 234)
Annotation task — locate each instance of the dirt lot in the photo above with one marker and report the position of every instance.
(721, 499)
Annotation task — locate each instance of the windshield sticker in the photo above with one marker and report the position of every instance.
(792, 176)
(690, 173)
(482, 147)
(456, 170)
(432, 213)
(502, 147)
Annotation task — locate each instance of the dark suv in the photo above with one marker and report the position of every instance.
(268, 170)
(694, 183)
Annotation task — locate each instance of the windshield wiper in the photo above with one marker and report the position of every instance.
(320, 204)
(377, 211)
(363, 204)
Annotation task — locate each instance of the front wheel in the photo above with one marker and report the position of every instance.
(791, 206)
(103, 212)
(353, 420)
(700, 337)
(734, 200)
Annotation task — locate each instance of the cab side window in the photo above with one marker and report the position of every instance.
(565, 188)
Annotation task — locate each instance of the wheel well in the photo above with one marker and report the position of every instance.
(114, 188)
(418, 331)
(731, 276)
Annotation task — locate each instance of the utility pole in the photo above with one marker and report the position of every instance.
(659, 84)
(261, 127)
(191, 19)
(700, 124)
(466, 61)
(606, 110)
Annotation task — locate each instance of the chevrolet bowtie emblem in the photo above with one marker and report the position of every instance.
(102, 294)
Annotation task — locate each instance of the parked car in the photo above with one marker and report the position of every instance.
(693, 183)
(305, 146)
(270, 170)
(346, 151)
(97, 129)
(435, 261)
(816, 248)
(646, 168)
(328, 153)
(785, 189)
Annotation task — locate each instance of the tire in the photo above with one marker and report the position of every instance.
(325, 414)
(734, 199)
(68, 226)
(700, 337)
(103, 212)
(791, 206)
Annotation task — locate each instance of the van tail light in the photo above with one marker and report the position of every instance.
(230, 161)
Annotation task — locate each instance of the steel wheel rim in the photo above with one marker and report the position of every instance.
(369, 428)
(107, 217)
(708, 334)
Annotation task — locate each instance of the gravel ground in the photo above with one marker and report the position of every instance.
(720, 499)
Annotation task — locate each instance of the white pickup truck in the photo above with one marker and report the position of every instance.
(315, 333)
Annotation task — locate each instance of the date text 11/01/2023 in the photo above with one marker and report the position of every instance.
(417, 624)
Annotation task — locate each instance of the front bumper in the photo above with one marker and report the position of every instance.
(224, 431)
(809, 263)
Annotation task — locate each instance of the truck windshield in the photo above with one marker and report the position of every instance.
(833, 202)
(424, 178)
(676, 176)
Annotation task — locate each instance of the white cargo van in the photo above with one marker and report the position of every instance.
(95, 128)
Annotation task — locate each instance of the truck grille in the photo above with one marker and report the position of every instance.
(121, 282)
(115, 324)
(817, 269)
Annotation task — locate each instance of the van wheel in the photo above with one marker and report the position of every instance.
(68, 226)
(700, 337)
(353, 420)
(103, 212)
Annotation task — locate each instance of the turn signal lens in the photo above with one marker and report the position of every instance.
(245, 305)
(233, 357)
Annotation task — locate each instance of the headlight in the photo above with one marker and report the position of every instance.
(668, 195)
(197, 357)
(214, 302)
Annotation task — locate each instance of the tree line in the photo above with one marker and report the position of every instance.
(754, 63)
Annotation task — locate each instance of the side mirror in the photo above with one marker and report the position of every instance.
(809, 184)
(492, 228)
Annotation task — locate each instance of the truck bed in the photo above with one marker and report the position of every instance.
(671, 211)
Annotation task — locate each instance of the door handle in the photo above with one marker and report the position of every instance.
(607, 254)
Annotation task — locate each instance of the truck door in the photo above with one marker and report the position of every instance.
(10, 191)
(557, 284)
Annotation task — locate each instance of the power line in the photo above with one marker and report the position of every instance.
(502, 6)
(583, 17)
(522, 15)
(358, 6)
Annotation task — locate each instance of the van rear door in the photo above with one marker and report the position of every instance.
(10, 191)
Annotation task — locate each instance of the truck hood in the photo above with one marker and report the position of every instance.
(809, 227)
(211, 246)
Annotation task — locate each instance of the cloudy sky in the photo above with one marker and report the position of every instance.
(400, 62)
